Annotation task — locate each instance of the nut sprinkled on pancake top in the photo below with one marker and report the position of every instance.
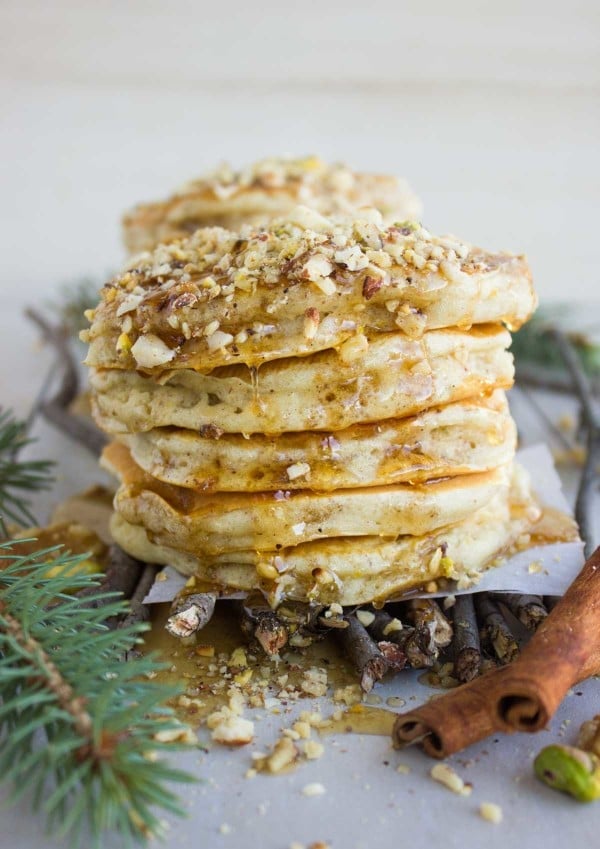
(304, 176)
(227, 294)
(264, 191)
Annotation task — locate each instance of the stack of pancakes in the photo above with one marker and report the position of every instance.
(313, 406)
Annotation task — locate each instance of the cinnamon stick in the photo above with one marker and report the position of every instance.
(524, 695)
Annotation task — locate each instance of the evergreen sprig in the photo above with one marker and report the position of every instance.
(79, 729)
(18, 478)
(533, 344)
(72, 302)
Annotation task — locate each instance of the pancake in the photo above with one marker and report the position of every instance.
(223, 522)
(465, 437)
(360, 569)
(389, 376)
(306, 284)
(266, 190)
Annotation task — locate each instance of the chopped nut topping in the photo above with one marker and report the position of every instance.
(349, 695)
(302, 728)
(211, 328)
(284, 754)
(180, 734)
(445, 775)
(128, 304)
(211, 431)
(219, 339)
(313, 789)
(314, 682)
(371, 285)
(227, 724)
(313, 750)
(392, 626)
(298, 470)
(123, 343)
(365, 617)
(150, 351)
(229, 729)
(353, 348)
(352, 257)
(317, 267)
(217, 277)
(326, 285)
(491, 812)
(311, 322)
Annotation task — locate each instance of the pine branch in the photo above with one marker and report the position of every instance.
(73, 300)
(537, 358)
(18, 477)
(62, 676)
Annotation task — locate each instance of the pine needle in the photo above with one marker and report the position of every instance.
(18, 478)
(61, 674)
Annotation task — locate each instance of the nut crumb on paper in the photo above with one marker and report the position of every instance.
(490, 812)
(445, 775)
(313, 789)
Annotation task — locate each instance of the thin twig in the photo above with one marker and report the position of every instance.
(579, 377)
(364, 653)
(528, 609)
(540, 378)
(501, 637)
(122, 575)
(530, 398)
(426, 613)
(56, 409)
(466, 647)
(417, 644)
(138, 611)
(190, 612)
(56, 337)
(591, 422)
(259, 622)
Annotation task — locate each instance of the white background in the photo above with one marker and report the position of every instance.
(492, 111)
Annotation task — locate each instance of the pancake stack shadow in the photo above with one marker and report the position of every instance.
(310, 405)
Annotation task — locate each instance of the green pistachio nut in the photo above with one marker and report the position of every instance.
(571, 770)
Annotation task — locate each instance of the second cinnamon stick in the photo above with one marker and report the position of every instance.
(524, 695)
